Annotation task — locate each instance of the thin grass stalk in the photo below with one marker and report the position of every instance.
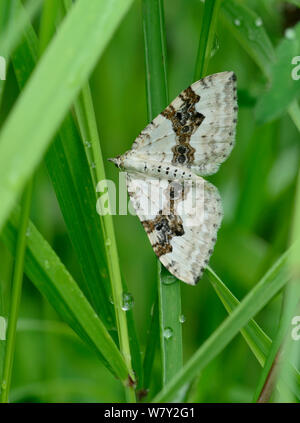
(169, 297)
(88, 127)
(16, 295)
(256, 299)
(208, 25)
(88, 120)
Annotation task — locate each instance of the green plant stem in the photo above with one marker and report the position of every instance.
(256, 299)
(86, 116)
(208, 25)
(16, 294)
(157, 99)
(88, 127)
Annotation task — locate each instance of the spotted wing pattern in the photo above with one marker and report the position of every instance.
(181, 221)
(197, 130)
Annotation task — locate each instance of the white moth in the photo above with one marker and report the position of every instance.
(180, 211)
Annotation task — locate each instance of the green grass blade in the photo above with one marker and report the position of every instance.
(208, 24)
(157, 99)
(256, 299)
(17, 23)
(255, 337)
(152, 342)
(86, 116)
(52, 279)
(69, 171)
(284, 87)
(249, 31)
(260, 344)
(81, 40)
(17, 283)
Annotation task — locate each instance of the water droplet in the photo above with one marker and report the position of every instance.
(87, 144)
(168, 279)
(168, 333)
(215, 47)
(111, 299)
(237, 22)
(128, 301)
(259, 22)
(108, 242)
(47, 264)
(182, 318)
(290, 33)
(93, 165)
(28, 232)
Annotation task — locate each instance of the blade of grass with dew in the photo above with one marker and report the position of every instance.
(38, 113)
(157, 99)
(291, 348)
(248, 29)
(86, 116)
(254, 39)
(68, 167)
(85, 113)
(255, 337)
(256, 299)
(259, 343)
(69, 172)
(208, 25)
(285, 87)
(15, 299)
(51, 278)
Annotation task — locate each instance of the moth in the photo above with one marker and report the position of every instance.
(181, 211)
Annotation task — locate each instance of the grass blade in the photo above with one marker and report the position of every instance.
(251, 34)
(17, 283)
(208, 24)
(52, 279)
(86, 116)
(69, 171)
(157, 99)
(255, 337)
(256, 299)
(81, 40)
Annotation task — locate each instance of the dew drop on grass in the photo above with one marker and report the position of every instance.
(28, 232)
(168, 279)
(168, 333)
(47, 264)
(87, 144)
(237, 22)
(182, 318)
(290, 33)
(258, 22)
(128, 301)
(111, 299)
(108, 242)
(93, 165)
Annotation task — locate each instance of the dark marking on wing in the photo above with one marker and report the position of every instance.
(167, 224)
(185, 121)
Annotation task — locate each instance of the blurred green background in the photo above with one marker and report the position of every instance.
(256, 183)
